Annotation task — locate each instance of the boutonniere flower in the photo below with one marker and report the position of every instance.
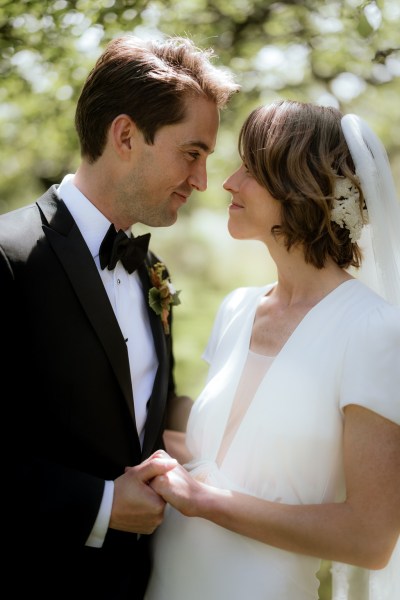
(162, 295)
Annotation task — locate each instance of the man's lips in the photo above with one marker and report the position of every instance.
(182, 197)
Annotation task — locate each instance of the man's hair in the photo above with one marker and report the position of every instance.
(296, 151)
(150, 81)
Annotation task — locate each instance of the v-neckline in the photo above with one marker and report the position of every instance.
(222, 451)
(304, 319)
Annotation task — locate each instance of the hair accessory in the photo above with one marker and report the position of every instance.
(346, 208)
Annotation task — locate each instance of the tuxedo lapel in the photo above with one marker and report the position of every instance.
(68, 244)
(157, 402)
(155, 320)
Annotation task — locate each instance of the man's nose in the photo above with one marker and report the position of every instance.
(198, 178)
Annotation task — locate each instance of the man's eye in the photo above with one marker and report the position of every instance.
(194, 155)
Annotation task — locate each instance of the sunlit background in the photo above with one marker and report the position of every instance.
(345, 54)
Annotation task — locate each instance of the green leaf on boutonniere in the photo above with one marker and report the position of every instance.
(163, 294)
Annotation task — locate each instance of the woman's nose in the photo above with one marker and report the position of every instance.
(228, 184)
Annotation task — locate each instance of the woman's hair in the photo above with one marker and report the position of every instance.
(296, 151)
(151, 82)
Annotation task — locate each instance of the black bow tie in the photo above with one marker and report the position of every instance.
(118, 246)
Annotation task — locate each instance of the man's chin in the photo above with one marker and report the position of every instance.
(164, 221)
(173, 219)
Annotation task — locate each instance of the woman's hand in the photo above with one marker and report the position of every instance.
(180, 489)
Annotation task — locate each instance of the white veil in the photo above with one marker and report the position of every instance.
(373, 170)
(380, 242)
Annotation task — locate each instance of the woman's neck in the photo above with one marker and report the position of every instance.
(302, 283)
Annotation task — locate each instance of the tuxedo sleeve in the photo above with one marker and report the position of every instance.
(44, 498)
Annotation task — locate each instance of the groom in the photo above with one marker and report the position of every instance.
(89, 363)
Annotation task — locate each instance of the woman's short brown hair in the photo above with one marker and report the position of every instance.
(295, 150)
(151, 81)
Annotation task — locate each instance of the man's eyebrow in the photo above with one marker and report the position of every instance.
(203, 146)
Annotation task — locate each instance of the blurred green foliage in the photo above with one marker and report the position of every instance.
(343, 53)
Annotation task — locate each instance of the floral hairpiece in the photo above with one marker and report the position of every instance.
(346, 208)
(163, 294)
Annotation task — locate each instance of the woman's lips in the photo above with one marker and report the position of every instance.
(234, 206)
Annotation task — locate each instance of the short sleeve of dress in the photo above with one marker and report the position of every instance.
(222, 319)
(236, 304)
(371, 365)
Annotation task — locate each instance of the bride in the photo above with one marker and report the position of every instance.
(295, 438)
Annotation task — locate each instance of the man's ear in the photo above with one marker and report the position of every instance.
(121, 134)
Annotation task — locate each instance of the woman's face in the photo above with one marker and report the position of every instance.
(253, 211)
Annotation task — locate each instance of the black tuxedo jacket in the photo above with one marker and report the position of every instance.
(69, 405)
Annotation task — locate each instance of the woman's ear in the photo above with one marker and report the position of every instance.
(121, 134)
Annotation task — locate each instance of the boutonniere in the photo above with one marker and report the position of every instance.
(162, 295)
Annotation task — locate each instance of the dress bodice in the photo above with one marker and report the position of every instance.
(280, 439)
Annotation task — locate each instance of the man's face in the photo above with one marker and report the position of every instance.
(163, 175)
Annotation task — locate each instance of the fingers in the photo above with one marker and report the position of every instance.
(178, 489)
(157, 464)
(159, 454)
(159, 484)
(172, 480)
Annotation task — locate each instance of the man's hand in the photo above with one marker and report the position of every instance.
(137, 508)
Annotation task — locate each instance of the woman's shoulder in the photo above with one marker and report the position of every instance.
(373, 317)
(371, 305)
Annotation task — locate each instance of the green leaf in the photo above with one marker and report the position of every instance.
(154, 300)
(175, 298)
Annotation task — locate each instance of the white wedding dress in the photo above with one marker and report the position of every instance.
(285, 445)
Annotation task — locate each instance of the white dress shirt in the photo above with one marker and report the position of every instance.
(127, 300)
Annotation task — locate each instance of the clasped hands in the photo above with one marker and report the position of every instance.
(141, 493)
